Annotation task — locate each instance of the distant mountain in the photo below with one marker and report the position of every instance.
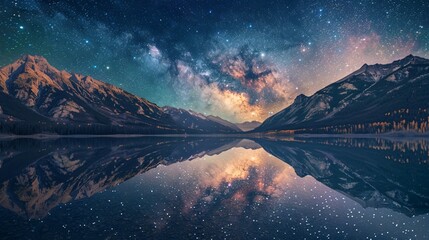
(34, 96)
(195, 122)
(376, 98)
(248, 126)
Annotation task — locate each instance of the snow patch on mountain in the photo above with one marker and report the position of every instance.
(61, 96)
(357, 97)
(317, 105)
(66, 109)
(348, 86)
(198, 115)
(348, 186)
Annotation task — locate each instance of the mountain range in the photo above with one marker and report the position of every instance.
(200, 123)
(35, 97)
(376, 98)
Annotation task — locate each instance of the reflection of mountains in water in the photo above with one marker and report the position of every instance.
(36, 176)
(374, 172)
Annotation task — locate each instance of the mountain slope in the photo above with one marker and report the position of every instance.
(35, 90)
(199, 123)
(384, 95)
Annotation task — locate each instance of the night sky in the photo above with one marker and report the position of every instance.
(241, 60)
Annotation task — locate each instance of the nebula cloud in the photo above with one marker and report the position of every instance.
(240, 84)
(236, 104)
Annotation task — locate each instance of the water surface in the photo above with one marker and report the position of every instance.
(214, 188)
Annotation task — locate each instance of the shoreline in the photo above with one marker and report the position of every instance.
(242, 135)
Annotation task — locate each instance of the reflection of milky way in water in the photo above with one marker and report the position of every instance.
(254, 191)
(238, 178)
(215, 188)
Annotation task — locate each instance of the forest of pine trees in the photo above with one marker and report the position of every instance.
(401, 120)
(25, 128)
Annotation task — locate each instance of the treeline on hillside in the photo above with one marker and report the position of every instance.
(362, 128)
(25, 128)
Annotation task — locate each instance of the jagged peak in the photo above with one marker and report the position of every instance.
(80, 77)
(87, 78)
(39, 66)
(77, 77)
(409, 59)
(364, 66)
(34, 63)
(301, 97)
(33, 58)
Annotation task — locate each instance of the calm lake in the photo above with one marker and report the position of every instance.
(214, 188)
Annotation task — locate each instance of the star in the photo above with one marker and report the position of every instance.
(235, 42)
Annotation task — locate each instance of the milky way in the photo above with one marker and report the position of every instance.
(241, 60)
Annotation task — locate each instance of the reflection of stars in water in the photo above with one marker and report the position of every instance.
(298, 210)
(241, 193)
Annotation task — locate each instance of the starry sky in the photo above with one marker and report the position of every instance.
(240, 60)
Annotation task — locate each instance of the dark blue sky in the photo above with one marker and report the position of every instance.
(241, 60)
